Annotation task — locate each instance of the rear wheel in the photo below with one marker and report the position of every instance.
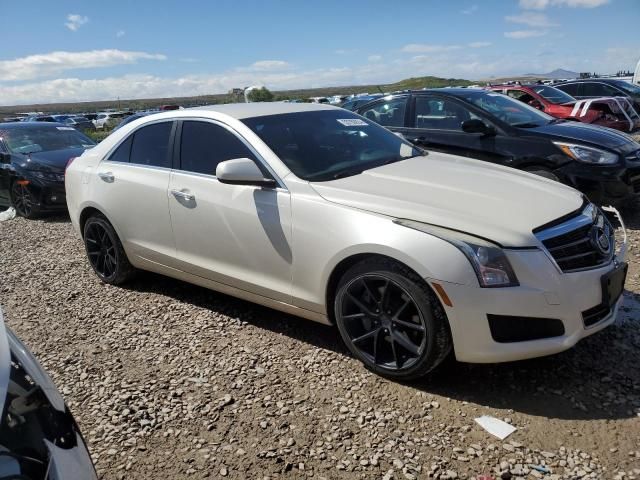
(24, 199)
(105, 252)
(391, 320)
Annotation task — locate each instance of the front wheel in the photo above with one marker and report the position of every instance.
(105, 252)
(24, 199)
(391, 320)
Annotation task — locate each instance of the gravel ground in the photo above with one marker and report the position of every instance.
(168, 380)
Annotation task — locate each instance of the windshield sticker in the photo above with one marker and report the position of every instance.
(65, 128)
(352, 122)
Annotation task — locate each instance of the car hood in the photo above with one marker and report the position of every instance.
(55, 160)
(586, 133)
(489, 201)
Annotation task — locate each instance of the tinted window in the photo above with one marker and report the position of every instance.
(513, 112)
(151, 145)
(388, 113)
(571, 89)
(204, 145)
(593, 89)
(329, 144)
(553, 94)
(121, 154)
(43, 138)
(441, 114)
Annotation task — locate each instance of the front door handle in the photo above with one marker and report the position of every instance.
(183, 195)
(106, 176)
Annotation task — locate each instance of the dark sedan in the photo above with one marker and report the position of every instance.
(33, 157)
(602, 87)
(80, 123)
(602, 163)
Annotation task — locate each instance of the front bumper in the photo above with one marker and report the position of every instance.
(544, 293)
(50, 195)
(603, 185)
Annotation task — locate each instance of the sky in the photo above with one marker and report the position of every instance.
(68, 50)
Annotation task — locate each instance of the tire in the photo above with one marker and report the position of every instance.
(105, 252)
(382, 285)
(24, 200)
(543, 172)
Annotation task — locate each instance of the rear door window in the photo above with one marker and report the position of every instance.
(121, 154)
(203, 145)
(389, 113)
(151, 145)
(571, 89)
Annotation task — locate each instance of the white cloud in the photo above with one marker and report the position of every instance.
(542, 4)
(75, 21)
(470, 10)
(54, 63)
(531, 19)
(269, 65)
(466, 63)
(520, 34)
(120, 33)
(374, 58)
(343, 51)
(479, 44)
(427, 48)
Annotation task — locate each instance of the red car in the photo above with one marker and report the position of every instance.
(607, 112)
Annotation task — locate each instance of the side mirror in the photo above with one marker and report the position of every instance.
(5, 157)
(477, 126)
(242, 171)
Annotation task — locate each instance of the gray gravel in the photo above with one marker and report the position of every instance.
(168, 380)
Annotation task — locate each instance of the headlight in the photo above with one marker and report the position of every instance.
(488, 260)
(587, 154)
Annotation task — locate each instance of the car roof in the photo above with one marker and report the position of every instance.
(602, 80)
(260, 109)
(19, 125)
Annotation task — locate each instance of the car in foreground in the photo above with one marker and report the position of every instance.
(33, 156)
(606, 112)
(602, 163)
(602, 87)
(318, 212)
(132, 118)
(39, 439)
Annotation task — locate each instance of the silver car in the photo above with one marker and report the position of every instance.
(316, 211)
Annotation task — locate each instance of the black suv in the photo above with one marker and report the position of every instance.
(602, 87)
(490, 126)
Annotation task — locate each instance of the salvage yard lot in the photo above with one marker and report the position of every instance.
(168, 380)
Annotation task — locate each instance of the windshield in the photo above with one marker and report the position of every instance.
(628, 87)
(44, 139)
(513, 112)
(329, 144)
(553, 95)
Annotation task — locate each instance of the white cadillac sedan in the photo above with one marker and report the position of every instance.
(318, 212)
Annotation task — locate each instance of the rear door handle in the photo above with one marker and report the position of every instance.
(183, 195)
(106, 176)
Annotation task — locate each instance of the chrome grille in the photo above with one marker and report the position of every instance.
(583, 242)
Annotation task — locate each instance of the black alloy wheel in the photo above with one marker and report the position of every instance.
(101, 250)
(391, 320)
(105, 252)
(23, 200)
(383, 322)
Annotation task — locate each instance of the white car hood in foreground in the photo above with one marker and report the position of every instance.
(494, 202)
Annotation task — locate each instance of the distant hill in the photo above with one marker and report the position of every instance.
(142, 104)
(555, 74)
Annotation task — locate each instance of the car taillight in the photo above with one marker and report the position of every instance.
(69, 162)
